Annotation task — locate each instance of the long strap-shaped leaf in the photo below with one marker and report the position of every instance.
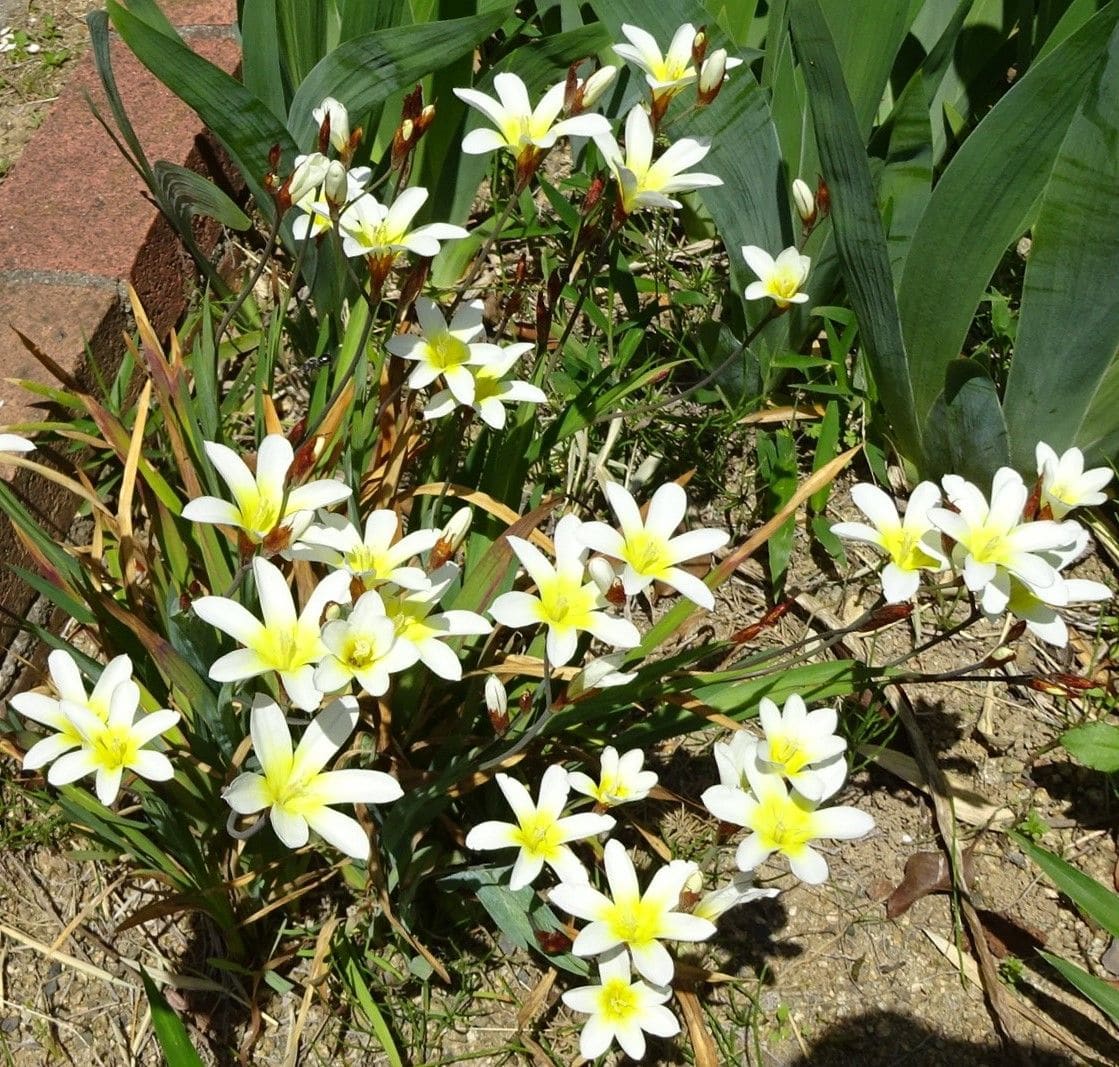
(1063, 388)
(984, 201)
(859, 235)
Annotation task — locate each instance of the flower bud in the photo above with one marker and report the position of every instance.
(805, 202)
(497, 702)
(699, 46)
(602, 574)
(711, 76)
(1002, 654)
(601, 673)
(450, 537)
(336, 184)
(334, 112)
(426, 118)
(594, 87)
(309, 173)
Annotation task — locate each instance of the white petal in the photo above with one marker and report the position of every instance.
(291, 829)
(326, 734)
(247, 794)
(342, 831)
(356, 786)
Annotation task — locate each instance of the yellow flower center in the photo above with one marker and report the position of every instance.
(647, 553)
(783, 825)
(783, 284)
(445, 351)
(360, 652)
(364, 561)
(566, 602)
(617, 1001)
(539, 835)
(987, 544)
(485, 385)
(260, 513)
(290, 649)
(408, 618)
(114, 748)
(906, 550)
(787, 754)
(635, 921)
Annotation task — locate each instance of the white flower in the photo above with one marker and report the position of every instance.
(374, 558)
(289, 644)
(369, 228)
(779, 279)
(803, 746)
(666, 74)
(646, 546)
(492, 390)
(804, 200)
(521, 128)
(1065, 484)
(783, 822)
(620, 1010)
(600, 673)
(639, 921)
(620, 779)
(497, 700)
(739, 890)
(307, 177)
(411, 614)
(68, 684)
(911, 543)
(733, 757)
(296, 790)
(443, 349)
(993, 544)
(641, 181)
(363, 646)
(319, 203)
(263, 503)
(111, 746)
(339, 122)
(541, 833)
(566, 601)
(588, 90)
(12, 442)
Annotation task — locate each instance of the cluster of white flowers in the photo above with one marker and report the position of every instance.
(627, 926)
(1009, 555)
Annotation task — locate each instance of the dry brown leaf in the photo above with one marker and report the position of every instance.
(925, 873)
(536, 1000)
(703, 1044)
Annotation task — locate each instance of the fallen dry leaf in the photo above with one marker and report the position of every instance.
(925, 873)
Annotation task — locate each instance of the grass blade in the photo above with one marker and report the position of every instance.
(1096, 901)
(169, 1029)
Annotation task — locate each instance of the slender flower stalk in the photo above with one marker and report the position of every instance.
(646, 546)
(292, 785)
(627, 917)
(542, 834)
(281, 641)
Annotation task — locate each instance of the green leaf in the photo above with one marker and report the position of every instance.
(983, 201)
(966, 431)
(364, 72)
(1068, 299)
(1103, 994)
(351, 974)
(1095, 744)
(189, 192)
(169, 1029)
(261, 67)
(1098, 903)
(859, 236)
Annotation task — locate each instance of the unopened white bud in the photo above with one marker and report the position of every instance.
(339, 122)
(601, 673)
(712, 73)
(458, 526)
(407, 128)
(309, 174)
(336, 184)
(497, 703)
(596, 85)
(602, 574)
(804, 200)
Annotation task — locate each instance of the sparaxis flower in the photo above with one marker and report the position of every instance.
(912, 544)
(620, 780)
(492, 390)
(370, 228)
(362, 646)
(281, 641)
(263, 502)
(293, 786)
(779, 279)
(542, 833)
(566, 601)
(111, 746)
(1065, 484)
(783, 822)
(802, 746)
(645, 183)
(620, 1010)
(646, 546)
(638, 921)
(669, 72)
(739, 890)
(444, 349)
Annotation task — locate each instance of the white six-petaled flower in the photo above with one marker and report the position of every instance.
(520, 128)
(282, 641)
(370, 228)
(912, 544)
(566, 601)
(111, 746)
(542, 833)
(620, 781)
(646, 546)
(48, 711)
(362, 647)
(620, 1010)
(1065, 484)
(802, 746)
(293, 786)
(263, 502)
(779, 279)
(669, 72)
(492, 390)
(639, 921)
(783, 822)
(645, 183)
